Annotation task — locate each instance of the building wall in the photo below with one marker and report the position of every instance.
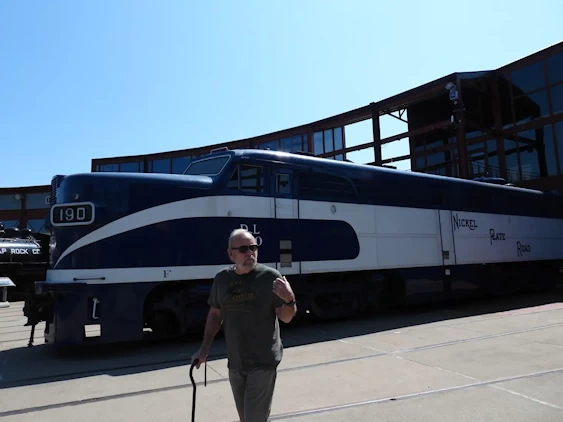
(533, 129)
(25, 207)
(323, 142)
(511, 124)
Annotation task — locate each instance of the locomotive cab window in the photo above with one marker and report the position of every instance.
(207, 167)
(247, 178)
(282, 183)
(251, 178)
(233, 182)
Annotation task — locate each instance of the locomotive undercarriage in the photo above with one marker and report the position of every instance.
(176, 309)
(172, 310)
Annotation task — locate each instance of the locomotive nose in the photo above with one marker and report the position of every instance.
(94, 213)
(99, 198)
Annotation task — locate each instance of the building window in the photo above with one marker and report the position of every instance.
(531, 106)
(546, 150)
(505, 101)
(478, 103)
(271, 145)
(528, 152)
(511, 156)
(36, 225)
(557, 98)
(109, 167)
(555, 68)
(180, 164)
(443, 170)
(440, 138)
(9, 202)
(294, 143)
(318, 146)
(420, 162)
(437, 162)
(8, 224)
(476, 153)
(160, 166)
(493, 168)
(328, 140)
(129, 167)
(34, 201)
(528, 78)
(558, 138)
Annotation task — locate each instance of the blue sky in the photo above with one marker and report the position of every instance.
(91, 79)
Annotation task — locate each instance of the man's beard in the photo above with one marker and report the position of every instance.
(249, 263)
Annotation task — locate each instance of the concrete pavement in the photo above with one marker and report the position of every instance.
(483, 360)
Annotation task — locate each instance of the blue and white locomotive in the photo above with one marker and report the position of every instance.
(137, 252)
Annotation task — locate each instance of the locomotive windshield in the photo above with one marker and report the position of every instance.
(207, 166)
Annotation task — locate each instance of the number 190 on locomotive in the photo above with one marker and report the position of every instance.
(74, 214)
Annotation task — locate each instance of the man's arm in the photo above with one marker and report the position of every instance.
(286, 313)
(212, 326)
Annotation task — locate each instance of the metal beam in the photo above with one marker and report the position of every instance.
(376, 134)
(400, 117)
(418, 131)
(395, 159)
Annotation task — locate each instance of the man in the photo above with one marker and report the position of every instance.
(248, 298)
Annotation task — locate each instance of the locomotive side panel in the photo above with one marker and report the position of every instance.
(494, 238)
(389, 237)
(338, 244)
(408, 237)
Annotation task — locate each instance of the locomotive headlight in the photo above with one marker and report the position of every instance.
(52, 247)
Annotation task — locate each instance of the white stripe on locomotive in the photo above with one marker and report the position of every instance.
(389, 237)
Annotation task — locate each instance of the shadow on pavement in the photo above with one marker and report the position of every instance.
(43, 364)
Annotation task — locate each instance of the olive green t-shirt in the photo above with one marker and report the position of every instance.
(250, 323)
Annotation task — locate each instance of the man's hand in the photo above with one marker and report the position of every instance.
(282, 288)
(200, 356)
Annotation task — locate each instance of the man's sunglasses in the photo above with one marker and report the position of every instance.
(245, 248)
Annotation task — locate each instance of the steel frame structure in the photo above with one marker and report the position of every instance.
(395, 107)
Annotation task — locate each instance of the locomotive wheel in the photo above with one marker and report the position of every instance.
(164, 323)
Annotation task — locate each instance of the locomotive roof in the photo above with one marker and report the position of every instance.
(347, 168)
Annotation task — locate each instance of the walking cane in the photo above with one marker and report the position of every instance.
(194, 363)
